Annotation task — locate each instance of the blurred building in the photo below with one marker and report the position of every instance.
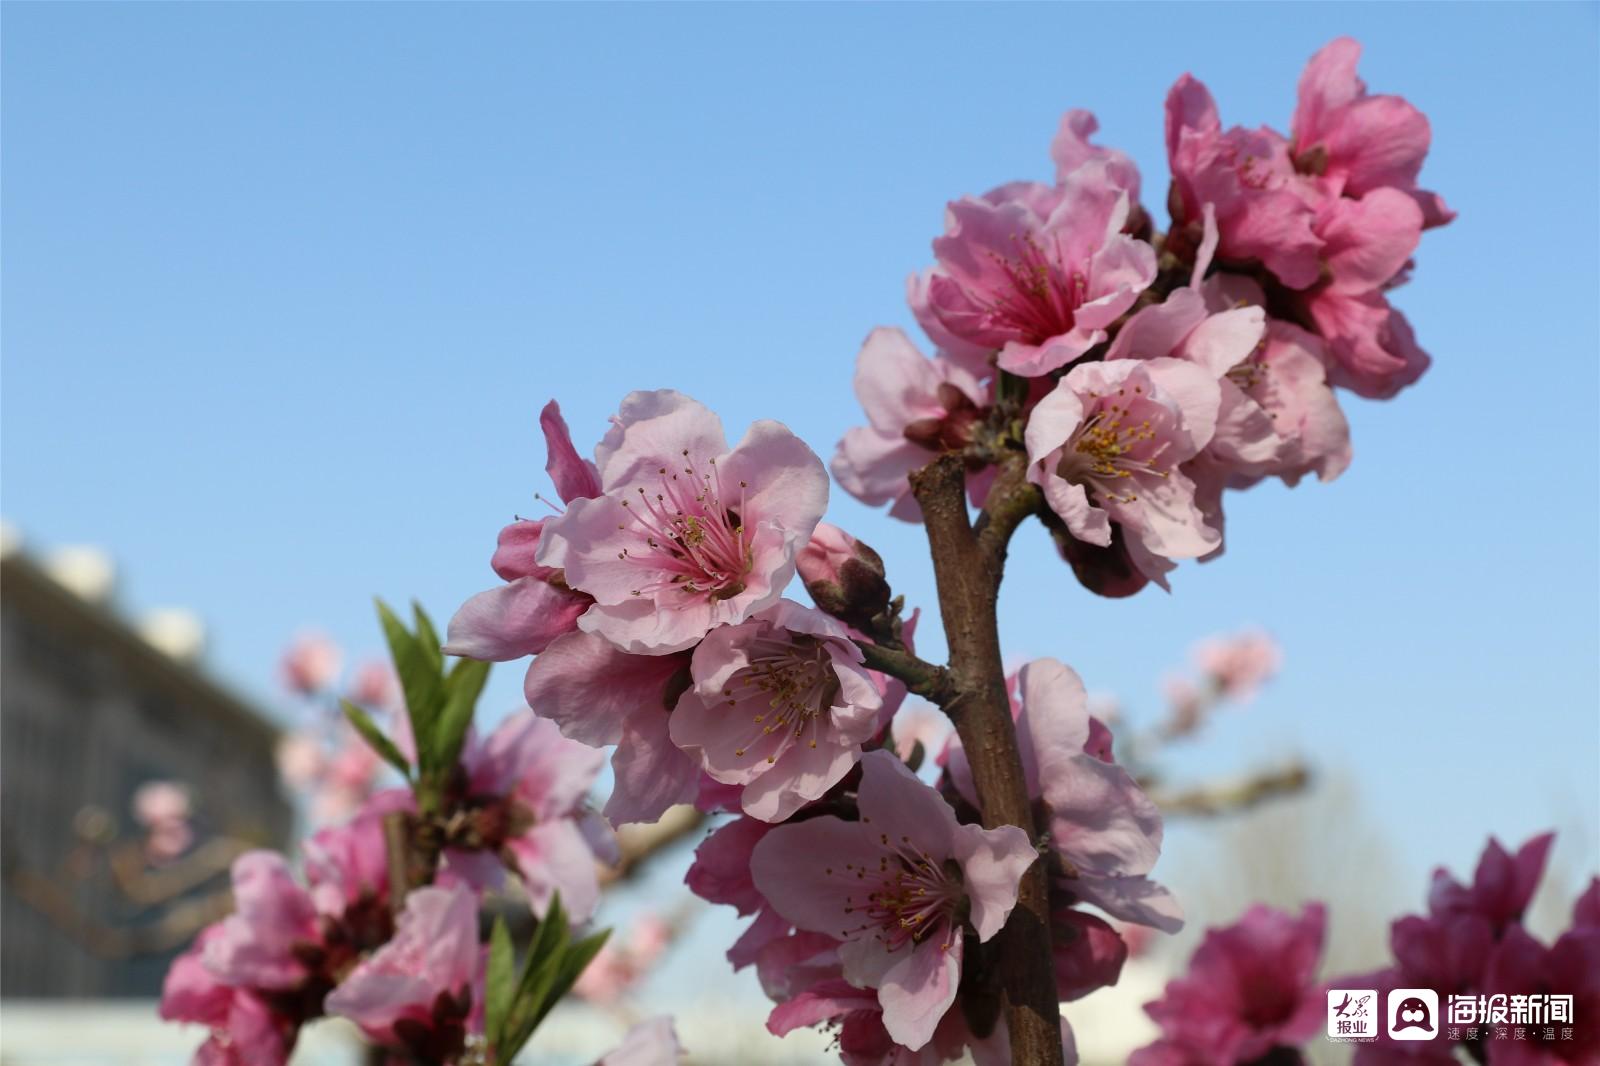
(92, 706)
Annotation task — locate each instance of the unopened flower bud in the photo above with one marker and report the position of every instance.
(844, 576)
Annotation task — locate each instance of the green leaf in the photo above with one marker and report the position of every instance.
(428, 637)
(419, 680)
(500, 983)
(375, 738)
(462, 687)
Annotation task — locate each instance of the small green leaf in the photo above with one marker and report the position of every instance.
(374, 737)
(500, 983)
(462, 686)
(419, 680)
(428, 637)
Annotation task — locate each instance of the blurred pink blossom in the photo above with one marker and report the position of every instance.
(310, 664)
(1239, 664)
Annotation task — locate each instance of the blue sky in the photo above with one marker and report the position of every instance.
(285, 287)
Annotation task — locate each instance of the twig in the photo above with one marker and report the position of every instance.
(968, 565)
(921, 678)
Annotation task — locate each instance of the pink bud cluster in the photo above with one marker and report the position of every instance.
(1146, 373)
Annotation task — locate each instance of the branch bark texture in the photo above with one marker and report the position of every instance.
(968, 564)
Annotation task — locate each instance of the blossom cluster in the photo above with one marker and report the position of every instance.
(1251, 993)
(1146, 373)
(406, 967)
(1114, 380)
(1472, 941)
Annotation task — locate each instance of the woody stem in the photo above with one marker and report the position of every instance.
(968, 564)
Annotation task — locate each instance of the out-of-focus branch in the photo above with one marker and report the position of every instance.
(147, 886)
(1233, 796)
(176, 927)
(638, 843)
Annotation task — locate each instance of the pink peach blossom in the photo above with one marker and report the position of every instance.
(418, 991)
(1286, 377)
(531, 783)
(244, 1029)
(688, 535)
(1251, 988)
(721, 873)
(1106, 832)
(1367, 245)
(916, 408)
(1355, 142)
(1107, 446)
(652, 1042)
(1264, 210)
(885, 886)
(1035, 272)
(523, 795)
(1071, 149)
(535, 606)
(780, 704)
(347, 866)
(261, 944)
(598, 694)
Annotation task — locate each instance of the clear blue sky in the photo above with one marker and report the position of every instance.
(286, 285)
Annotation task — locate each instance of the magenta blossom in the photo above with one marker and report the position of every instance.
(781, 705)
(535, 605)
(894, 887)
(1251, 989)
(418, 992)
(1521, 965)
(597, 695)
(721, 873)
(1107, 445)
(1035, 272)
(1358, 143)
(688, 535)
(916, 408)
(1501, 888)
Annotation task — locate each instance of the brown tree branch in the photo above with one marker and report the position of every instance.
(967, 565)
